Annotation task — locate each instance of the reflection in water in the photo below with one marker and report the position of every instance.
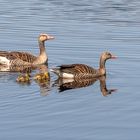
(27, 74)
(23, 69)
(83, 29)
(67, 84)
(44, 86)
(42, 78)
(103, 87)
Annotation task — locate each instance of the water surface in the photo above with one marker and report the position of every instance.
(82, 30)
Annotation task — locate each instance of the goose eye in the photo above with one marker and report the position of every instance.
(108, 54)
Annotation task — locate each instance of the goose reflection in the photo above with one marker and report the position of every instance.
(23, 69)
(67, 84)
(26, 75)
(104, 90)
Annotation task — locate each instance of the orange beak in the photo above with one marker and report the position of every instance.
(113, 57)
(50, 37)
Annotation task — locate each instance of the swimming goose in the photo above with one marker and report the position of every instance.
(82, 70)
(15, 58)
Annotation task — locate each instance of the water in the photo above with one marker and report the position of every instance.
(83, 30)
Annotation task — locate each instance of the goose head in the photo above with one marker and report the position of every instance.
(107, 55)
(43, 37)
(104, 56)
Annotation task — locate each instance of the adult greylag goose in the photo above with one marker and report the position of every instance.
(15, 58)
(82, 70)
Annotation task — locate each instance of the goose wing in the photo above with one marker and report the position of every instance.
(7, 55)
(24, 56)
(78, 69)
(27, 57)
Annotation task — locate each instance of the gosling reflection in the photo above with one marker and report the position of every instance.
(44, 86)
(43, 79)
(67, 84)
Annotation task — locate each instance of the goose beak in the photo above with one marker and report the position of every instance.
(113, 57)
(50, 37)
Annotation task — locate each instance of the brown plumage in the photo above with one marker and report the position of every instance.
(67, 84)
(82, 70)
(23, 69)
(16, 58)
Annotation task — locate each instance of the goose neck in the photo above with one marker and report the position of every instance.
(102, 69)
(102, 63)
(42, 47)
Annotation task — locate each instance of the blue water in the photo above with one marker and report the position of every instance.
(82, 30)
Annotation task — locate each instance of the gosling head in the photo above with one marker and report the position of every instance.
(43, 37)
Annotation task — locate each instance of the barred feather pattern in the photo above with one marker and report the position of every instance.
(23, 69)
(18, 58)
(79, 70)
(23, 56)
(19, 62)
(76, 83)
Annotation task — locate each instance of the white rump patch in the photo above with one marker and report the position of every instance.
(67, 75)
(4, 61)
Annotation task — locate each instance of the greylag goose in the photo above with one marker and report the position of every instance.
(15, 58)
(82, 70)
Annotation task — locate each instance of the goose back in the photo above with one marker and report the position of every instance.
(76, 71)
(23, 56)
(18, 58)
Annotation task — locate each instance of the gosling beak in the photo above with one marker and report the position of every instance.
(50, 37)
